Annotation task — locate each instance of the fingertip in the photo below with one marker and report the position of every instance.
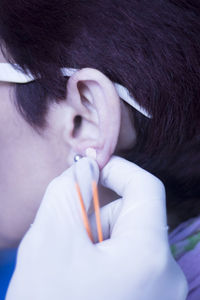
(112, 175)
(107, 169)
(87, 165)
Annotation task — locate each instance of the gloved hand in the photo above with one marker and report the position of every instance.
(57, 260)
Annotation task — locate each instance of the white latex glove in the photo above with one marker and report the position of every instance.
(56, 259)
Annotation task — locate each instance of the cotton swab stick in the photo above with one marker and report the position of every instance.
(97, 210)
(84, 214)
(91, 153)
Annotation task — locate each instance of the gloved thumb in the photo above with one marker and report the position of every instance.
(60, 212)
(143, 203)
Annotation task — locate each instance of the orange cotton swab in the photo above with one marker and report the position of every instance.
(97, 210)
(84, 214)
(92, 154)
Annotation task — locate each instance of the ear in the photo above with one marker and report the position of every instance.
(95, 114)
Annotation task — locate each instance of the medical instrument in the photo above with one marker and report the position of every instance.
(95, 203)
(84, 213)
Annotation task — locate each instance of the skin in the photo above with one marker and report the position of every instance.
(29, 160)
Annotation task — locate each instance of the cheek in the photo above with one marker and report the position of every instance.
(26, 168)
(28, 162)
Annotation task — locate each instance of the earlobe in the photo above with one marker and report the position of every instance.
(97, 107)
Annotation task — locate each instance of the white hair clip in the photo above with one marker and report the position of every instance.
(13, 73)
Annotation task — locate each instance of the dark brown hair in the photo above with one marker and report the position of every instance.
(150, 47)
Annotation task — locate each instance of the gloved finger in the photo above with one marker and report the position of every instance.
(60, 212)
(109, 214)
(143, 196)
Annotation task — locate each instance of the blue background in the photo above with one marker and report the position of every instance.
(7, 265)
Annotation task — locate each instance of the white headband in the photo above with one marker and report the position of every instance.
(12, 73)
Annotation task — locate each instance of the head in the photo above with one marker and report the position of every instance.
(141, 45)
